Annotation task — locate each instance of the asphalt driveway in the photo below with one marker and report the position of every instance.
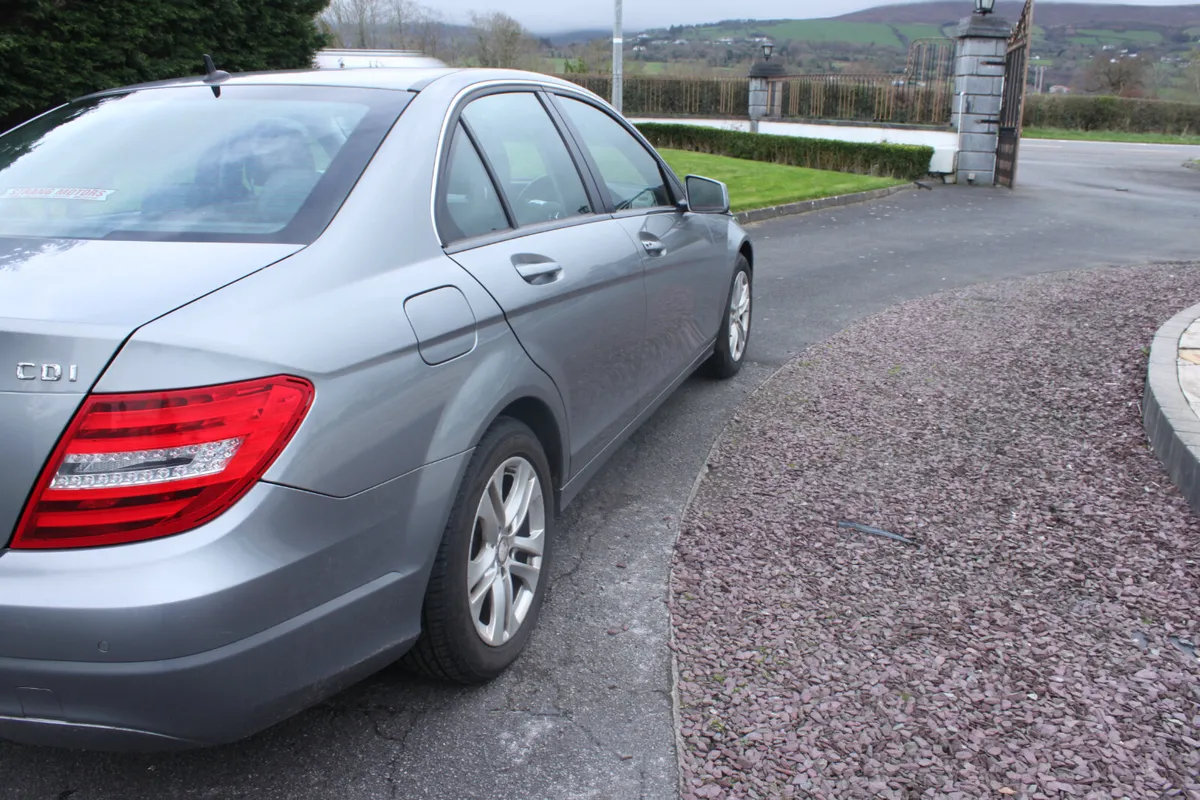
(587, 711)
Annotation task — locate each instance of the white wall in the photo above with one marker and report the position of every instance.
(944, 143)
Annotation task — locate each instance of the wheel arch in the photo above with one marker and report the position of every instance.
(747, 250)
(536, 414)
(543, 415)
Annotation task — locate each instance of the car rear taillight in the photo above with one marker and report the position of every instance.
(132, 467)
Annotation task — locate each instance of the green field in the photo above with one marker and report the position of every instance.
(811, 30)
(756, 184)
(911, 32)
(1141, 37)
(1117, 38)
(1108, 136)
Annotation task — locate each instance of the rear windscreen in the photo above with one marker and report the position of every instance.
(257, 163)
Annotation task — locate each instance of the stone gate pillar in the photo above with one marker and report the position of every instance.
(978, 89)
(763, 101)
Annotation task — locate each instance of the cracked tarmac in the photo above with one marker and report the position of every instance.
(586, 713)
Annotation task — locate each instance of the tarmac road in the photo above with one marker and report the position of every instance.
(587, 713)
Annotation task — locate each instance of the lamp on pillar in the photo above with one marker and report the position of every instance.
(769, 48)
(984, 7)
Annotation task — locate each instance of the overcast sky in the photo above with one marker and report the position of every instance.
(547, 16)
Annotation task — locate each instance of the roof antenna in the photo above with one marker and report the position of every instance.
(212, 75)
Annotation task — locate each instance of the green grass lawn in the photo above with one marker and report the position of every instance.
(756, 184)
(1108, 136)
(808, 30)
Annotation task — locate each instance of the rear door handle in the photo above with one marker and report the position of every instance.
(653, 247)
(539, 273)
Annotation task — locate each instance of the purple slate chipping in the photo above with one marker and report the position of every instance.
(1030, 645)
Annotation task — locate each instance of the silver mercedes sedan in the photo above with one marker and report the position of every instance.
(297, 370)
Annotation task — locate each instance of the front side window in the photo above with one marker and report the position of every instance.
(257, 163)
(627, 169)
(530, 159)
(468, 202)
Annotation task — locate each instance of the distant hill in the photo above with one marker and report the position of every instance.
(1066, 28)
(942, 12)
(565, 38)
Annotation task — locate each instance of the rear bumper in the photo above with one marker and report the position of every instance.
(210, 636)
(214, 697)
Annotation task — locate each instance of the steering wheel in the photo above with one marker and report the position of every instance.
(547, 207)
(529, 193)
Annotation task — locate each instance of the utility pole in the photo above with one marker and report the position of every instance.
(618, 78)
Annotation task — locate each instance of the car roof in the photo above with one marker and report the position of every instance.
(411, 79)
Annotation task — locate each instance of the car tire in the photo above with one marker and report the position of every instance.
(726, 360)
(486, 561)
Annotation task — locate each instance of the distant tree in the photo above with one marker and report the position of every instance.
(1123, 77)
(358, 23)
(414, 26)
(388, 24)
(53, 50)
(500, 41)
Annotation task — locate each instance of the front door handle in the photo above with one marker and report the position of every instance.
(653, 246)
(540, 272)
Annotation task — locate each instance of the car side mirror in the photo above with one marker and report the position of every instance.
(706, 196)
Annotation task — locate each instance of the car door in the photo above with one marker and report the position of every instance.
(518, 213)
(685, 254)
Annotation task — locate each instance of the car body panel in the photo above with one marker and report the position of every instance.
(586, 329)
(116, 284)
(685, 293)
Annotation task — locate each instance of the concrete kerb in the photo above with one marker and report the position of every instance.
(1171, 425)
(804, 206)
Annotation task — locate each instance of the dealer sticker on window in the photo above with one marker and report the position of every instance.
(47, 193)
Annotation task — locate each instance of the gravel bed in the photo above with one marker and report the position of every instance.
(1036, 642)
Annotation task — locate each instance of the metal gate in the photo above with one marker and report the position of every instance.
(1012, 106)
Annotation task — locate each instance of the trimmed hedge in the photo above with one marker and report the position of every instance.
(1123, 114)
(895, 160)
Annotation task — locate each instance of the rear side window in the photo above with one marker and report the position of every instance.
(258, 163)
(629, 172)
(530, 159)
(468, 202)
